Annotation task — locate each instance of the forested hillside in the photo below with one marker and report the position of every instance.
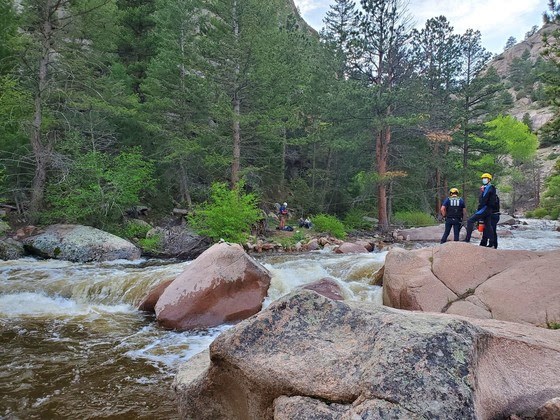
(108, 104)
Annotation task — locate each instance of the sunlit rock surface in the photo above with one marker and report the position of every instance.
(307, 356)
(465, 279)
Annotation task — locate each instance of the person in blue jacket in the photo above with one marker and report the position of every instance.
(454, 210)
(486, 204)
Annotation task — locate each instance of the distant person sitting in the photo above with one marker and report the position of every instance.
(454, 211)
(305, 223)
(283, 215)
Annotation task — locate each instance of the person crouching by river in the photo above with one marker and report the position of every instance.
(454, 211)
(486, 204)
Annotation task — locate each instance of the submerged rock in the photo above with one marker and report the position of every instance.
(80, 244)
(307, 356)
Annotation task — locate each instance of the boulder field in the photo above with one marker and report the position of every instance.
(469, 280)
(310, 357)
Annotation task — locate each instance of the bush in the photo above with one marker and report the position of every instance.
(325, 223)
(414, 218)
(228, 215)
(529, 214)
(540, 213)
(151, 244)
(354, 219)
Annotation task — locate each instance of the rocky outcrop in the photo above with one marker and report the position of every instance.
(178, 242)
(80, 244)
(434, 234)
(464, 279)
(307, 356)
(11, 249)
(222, 285)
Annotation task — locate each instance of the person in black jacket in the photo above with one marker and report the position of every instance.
(486, 204)
(454, 210)
(494, 219)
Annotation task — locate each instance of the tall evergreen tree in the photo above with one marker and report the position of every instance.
(379, 59)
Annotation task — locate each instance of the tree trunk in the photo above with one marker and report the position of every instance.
(40, 144)
(283, 164)
(383, 139)
(184, 186)
(236, 103)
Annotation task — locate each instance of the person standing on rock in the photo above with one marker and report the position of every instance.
(486, 205)
(282, 215)
(494, 219)
(454, 211)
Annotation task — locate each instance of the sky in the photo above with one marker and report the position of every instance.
(496, 20)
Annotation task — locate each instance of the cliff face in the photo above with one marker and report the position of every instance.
(538, 114)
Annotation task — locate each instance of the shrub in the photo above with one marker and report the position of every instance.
(354, 219)
(228, 215)
(325, 223)
(540, 213)
(150, 244)
(529, 214)
(134, 230)
(414, 218)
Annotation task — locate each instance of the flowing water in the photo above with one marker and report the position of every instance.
(74, 346)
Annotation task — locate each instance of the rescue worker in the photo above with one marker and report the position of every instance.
(494, 219)
(454, 210)
(486, 204)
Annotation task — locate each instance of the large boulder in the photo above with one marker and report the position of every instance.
(310, 357)
(427, 234)
(80, 244)
(223, 284)
(11, 249)
(178, 242)
(474, 281)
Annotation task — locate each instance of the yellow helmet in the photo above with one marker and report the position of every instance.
(454, 191)
(486, 175)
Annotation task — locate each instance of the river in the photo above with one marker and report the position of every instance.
(74, 346)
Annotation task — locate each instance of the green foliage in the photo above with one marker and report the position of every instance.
(553, 325)
(134, 230)
(538, 213)
(325, 223)
(228, 215)
(99, 188)
(512, 137)
(151, 244)
(414, 218)
(354, 219)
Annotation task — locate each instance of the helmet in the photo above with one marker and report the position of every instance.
(454, 191)
(285, 204)
(486, 175)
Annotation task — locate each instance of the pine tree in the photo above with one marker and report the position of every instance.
(379, 59)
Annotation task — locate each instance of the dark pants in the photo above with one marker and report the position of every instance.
(451, 222)
(485, 218)
(486, 239)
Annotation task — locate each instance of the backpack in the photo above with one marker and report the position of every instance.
(496, 207)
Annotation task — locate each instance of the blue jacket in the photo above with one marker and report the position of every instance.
(487, 200)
